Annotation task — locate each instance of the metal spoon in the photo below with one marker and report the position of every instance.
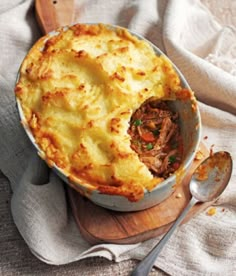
(208, 182)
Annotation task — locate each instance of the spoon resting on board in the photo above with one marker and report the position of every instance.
(52, 14)
(207, 183)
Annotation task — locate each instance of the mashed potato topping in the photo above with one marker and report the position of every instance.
(78, 90)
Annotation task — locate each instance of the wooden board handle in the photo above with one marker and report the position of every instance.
(52, 14)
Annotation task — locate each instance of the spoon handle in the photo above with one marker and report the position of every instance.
(144, 267)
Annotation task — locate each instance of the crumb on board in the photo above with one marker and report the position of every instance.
(211, 211)
(178, 195)
(199, 155)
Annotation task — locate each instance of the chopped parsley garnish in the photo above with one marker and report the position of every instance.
(137, 122)
(156, 132)
(149, 146)
(172, 159)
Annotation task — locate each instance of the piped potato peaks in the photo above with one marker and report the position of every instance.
(78, 89)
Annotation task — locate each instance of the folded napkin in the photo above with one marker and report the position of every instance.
(200, 38)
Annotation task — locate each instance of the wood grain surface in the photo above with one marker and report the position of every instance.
(132, 227)
(52, 14)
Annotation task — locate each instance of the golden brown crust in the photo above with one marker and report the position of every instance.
(78, 91)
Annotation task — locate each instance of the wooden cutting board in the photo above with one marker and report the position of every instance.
(100, 225)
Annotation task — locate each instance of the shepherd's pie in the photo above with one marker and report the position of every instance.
(79, 88)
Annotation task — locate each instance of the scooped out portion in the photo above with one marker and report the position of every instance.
(155, 136)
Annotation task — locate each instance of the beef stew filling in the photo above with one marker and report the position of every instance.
(155, 136)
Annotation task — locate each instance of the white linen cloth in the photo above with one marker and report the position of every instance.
(200, 38)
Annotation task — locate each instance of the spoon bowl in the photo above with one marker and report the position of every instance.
(211, 177)
(207, 183)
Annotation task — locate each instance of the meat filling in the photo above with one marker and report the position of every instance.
(155, 136)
